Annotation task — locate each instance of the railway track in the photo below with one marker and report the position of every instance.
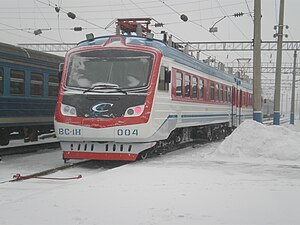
(86, 164)
(282, 121)
(28, 147)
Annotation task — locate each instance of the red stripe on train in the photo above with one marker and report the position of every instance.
(100, 156)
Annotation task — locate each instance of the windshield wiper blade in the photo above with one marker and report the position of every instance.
(104, 86)
(117, 90)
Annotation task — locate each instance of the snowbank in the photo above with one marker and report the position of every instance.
(255, 140)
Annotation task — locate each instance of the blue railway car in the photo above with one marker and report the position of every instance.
(28, 92)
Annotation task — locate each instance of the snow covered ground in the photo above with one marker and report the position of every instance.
(252, 177)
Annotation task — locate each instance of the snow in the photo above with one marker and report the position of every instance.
(255, 140)
(252, 177)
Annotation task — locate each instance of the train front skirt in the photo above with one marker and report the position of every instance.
(103, 150)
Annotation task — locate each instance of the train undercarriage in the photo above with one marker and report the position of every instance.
(29, 134)
(187, 135)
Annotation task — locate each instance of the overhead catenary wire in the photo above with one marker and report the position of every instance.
(51, 39)
(144, 5)
(129, 9)
(46, 29)
(223, 10)
(276, 10)
(58, 24)
(42, 14)
(107, 5)
(173, 33)
(193, 22)
(18, 35)
(199, 25)
(107, 18)
(66, 12)
(249, 11)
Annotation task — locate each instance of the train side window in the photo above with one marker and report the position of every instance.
(17, 82)
(36, 84)
(240, 98)
(178, 84)
(1, 81)
(225, 94)
(53, 86)
(194, 87)
(243, 98)
(229, 94)
(217, 92)
(187, 84)
(164, 79)
(221, 93)
(233, 94)
(212, 91)
(201, 88)
(250, 100)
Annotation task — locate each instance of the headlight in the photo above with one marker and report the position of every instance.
(68, 110)
(134, 111)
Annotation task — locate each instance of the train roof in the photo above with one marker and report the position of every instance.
(173, 53)
(20, 54)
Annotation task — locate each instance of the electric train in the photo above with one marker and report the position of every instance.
(122, 96)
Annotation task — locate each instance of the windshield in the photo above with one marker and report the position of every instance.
(122, 68)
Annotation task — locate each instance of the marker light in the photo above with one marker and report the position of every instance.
(134, 111)
(137, 109)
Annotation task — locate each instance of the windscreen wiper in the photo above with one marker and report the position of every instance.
(99, 87)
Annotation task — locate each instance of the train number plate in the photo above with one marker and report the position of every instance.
(127, 132)
(69, 132)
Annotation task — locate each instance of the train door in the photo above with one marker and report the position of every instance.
(234, 107)
(240, 104)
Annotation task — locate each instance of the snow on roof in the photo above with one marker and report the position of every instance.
(255, 140)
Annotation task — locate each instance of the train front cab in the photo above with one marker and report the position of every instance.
(109, 117)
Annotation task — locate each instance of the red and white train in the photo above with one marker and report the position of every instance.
(121, 96)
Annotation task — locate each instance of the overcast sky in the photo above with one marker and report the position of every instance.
(19, 19)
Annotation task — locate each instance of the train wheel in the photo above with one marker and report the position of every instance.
(178, 137)
(143, 155)
(209, 135)
(4, 134)
(222, 134)
(228, 131)
(30, 134)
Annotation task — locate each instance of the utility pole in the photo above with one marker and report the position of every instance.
(298, 104)
(276, 118)
(286, 102)
(292, 116)
(257, 115)
(281, 111)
